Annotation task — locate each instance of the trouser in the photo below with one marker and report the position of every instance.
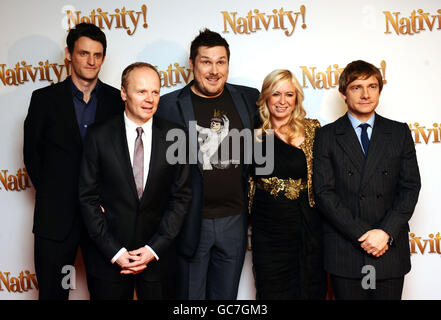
(124, 290)
(352, 289)
(213, 273)
(54, 261)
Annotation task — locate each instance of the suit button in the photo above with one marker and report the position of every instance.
(385, 173)
(361, 196)
(379, 196)
(350, 173)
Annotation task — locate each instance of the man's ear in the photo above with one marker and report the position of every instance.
(123, 94)
(190, 62)
(342, 96)
(67, 53)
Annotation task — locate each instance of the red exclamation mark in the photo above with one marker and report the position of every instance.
(144, 13)
(303, 11)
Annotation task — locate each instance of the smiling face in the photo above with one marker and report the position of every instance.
(281, 102)
(141, 94)
(362, 97)
(215, 125)
(86, 59)
(210, 70)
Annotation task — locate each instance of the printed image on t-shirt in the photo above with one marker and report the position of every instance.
(210, 141)
(218, 120)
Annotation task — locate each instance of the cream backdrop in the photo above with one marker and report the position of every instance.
(312, 38)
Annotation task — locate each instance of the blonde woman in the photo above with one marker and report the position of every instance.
(286, 229)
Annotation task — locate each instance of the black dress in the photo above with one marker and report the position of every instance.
(286, 234)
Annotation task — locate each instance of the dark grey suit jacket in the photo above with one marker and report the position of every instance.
(106, 179)
(356, 194)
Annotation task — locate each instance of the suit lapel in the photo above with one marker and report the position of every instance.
(347, 139)
(377, 148)
(186, 109)
(119, 140)
(186, 105)
(67, 111)
(240, 104)
(158, 150)
(122, 153)
(102, 108)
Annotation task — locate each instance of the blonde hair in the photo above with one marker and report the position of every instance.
(294, 127)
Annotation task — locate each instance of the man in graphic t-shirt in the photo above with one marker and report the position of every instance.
(211, 244)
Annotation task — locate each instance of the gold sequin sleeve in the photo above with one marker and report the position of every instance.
(307, 146)
(251, 191)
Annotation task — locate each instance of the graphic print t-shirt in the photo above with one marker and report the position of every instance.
(222, 169)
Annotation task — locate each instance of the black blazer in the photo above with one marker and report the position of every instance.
(52, 152)
(177, 107)
(106, 179)
(356, 195)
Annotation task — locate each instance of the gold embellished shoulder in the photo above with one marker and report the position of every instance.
(307, 146)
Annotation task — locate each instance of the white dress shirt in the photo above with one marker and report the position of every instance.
(147, 144)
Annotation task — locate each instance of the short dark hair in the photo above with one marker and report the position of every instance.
(358, 69)
(133, 66)
(209, 39)
(86, 30)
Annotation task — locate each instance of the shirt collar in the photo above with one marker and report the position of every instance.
(131, 126)
(78, 93)
(355, 122)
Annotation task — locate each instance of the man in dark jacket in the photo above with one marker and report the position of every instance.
(367, 182)
(211, 245)
(54, 131)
